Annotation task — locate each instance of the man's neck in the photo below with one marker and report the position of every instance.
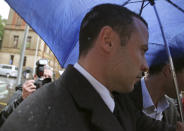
(94, 68)
(99, 87)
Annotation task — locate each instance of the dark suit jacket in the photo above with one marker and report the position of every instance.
(170, 115)
(71, 104)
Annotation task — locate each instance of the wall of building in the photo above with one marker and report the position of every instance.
(14, 31)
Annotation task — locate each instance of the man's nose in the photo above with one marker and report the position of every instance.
(145, 66)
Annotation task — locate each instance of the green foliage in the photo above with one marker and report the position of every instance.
(2, 25)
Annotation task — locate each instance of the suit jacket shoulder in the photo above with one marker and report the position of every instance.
(70, 103)
(171, 114)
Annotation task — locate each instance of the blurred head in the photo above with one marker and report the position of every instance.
(120, 37)
(168, 77)
(159, 64)
(48, 73)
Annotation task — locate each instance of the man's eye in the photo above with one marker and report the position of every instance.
(145, 49)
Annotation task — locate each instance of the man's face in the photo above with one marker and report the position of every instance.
(47, 73)
(129, 61)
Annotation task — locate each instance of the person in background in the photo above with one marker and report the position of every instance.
(112, 44)
(153, 93)
(42, 76)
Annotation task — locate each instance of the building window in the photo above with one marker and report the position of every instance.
(11, 59)
(24, 64)
(28, 45)
(19, 21)
(15, 41)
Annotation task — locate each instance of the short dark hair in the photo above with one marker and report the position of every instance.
(119, 18)
(157, 57)
(178, 66)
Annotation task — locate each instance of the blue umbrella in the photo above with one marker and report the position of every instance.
(58, 22)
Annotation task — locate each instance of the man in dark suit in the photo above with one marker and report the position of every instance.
(113, 41)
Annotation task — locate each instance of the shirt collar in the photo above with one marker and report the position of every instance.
(147, 100)
(101, 89)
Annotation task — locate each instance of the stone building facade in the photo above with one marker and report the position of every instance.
(12, 42)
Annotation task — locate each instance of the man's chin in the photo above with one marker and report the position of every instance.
(129, 89)
(125, 88)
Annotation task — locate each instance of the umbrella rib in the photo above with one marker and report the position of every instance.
(129, 1)
(142, 6)
(137, 1)
(179, 8)
(146, 4)
(125, 3)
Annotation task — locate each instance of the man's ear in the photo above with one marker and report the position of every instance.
(105, 37)
(166, 71)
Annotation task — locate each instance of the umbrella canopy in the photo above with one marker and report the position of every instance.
(171, 16)
(157, 53)
(58, 22)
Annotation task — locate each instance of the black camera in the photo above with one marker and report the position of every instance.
(40, 82)
(40, 65)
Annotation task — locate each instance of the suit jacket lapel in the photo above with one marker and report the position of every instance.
(126, 112)
(104, 119)
(88, 99)
(136, 96)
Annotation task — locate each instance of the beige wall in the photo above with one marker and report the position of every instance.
(4, 58)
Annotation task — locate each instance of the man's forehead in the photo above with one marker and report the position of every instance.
(138, 20)
(47, 70)
(141, 32)
(140, 26)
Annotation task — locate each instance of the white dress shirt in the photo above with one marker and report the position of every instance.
(149, 108)
(101, 89)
